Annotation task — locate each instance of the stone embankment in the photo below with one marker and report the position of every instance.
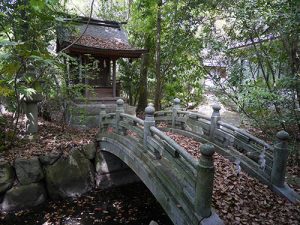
(29, 182)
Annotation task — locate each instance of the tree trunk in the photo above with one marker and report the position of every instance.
(294, 61)
(143, 88)
(158, 89)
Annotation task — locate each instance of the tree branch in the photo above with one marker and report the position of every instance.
(77, 39)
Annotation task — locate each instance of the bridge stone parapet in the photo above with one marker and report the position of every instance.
(180, 183)
(264, 161)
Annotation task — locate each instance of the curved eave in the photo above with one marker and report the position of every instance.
(106, 53)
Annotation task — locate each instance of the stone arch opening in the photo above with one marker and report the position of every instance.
(112, 171)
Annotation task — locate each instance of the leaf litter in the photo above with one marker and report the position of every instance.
(241, 199)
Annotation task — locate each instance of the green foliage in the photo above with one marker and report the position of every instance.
(179, 47)
(258, 42)
(27, 65)
(115, 10)
(26, 33)
(129, 75)
(188, 91)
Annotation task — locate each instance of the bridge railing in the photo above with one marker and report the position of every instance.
(260, 159)
(197, 175)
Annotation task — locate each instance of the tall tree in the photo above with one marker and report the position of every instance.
(172, 46)
(158, 89)
(143, 86)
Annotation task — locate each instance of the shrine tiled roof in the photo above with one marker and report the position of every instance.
(100, 42)
(104, 37)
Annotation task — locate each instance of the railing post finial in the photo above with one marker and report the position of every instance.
(216, 110)
(205, 180)
(149, 121)
(120, 105)
(280, 159)
(176, 103)
(149, 110)
(215, 118)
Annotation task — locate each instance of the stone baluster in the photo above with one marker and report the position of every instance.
(101, 116)
(215, 117)
(205, 180)
(176, 107)
(280, 156)
(119, 110)
(149, 121)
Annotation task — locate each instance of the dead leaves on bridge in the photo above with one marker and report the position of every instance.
(243, 199)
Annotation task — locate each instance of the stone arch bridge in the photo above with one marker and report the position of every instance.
(181, 184)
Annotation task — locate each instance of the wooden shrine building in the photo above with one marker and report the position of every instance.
(94, 46)
(95, 53)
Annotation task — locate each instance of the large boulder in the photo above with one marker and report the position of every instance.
(6, 176)
(70, 177)
(24, 196)
(89, 151)
(50, 158)
(28, 170)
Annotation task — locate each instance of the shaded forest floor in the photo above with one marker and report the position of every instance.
(51, 137)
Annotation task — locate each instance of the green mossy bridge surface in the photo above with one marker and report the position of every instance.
(182, 184)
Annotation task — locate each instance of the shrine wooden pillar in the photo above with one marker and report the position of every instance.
(114, 79)
(80, 69)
